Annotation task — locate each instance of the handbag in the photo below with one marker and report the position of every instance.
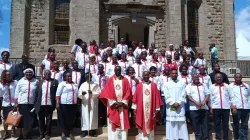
(13, 118)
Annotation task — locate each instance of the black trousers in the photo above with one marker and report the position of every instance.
(45, 120)
(240, 133)
(200, 123)
(221, 116)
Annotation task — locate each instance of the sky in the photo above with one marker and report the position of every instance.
(242, 23)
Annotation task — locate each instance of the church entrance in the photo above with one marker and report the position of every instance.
(133, 32)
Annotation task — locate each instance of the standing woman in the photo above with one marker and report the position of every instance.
(25, 97)
(66, 105)
(4, 63)
(7, 93)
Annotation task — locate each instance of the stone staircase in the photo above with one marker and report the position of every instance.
(133, 132)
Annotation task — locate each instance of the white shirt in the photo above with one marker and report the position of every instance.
(149, 58)
(100, 80)
(158, 66)
(198, 93)
(139, 69)
(67, 93)
(163, 82)
(124, 66)
(46, 99)
(93, 68)
(4, 66)
(132, 83)
(240, 95)
(188, 50)
(106, 66)
(162, 59)
(57, 75)
(198, 62)
(138, 51)
(186, 79)
(76, 77)
(171, 53)
(122, 48)
(25, 92)
(7, 93)
(175, 93)
(131, 59)
(178, 62)
(82, 59)
(48, 64)
(220, 97)
(145, 63)
(111, 70)
(98, 59)
(156, 80)
(206, 80)
(75, 49)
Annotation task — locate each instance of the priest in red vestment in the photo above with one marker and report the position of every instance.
(146, 102)
(116, 96)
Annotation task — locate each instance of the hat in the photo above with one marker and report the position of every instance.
(28, 69)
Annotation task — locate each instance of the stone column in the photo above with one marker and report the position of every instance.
(84, 20)
(115, 31)
(175, 22)
(17, 31)
(151, 36)
(229, 30)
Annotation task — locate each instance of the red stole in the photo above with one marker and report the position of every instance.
(91, 49)
(156, 102)
(107, 93)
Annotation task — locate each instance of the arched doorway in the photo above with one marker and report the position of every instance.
(132, 27)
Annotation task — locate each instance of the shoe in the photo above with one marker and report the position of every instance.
(20, 138)
(63, 138)
(6, 136)
(41, 137)
(47, 137)
(93, 133)
(71, 137)
(84, 134)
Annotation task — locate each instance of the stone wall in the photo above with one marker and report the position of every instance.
(17, 31)
(84, 20)
(214, 26)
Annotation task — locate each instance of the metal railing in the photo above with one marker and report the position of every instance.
(230, 67)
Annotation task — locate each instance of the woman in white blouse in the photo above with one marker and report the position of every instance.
(4, 63)
(25, 98)
(7, 93)
(66, 105)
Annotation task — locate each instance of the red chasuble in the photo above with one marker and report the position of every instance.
(107, 93)
(156, 102)
(91, 49)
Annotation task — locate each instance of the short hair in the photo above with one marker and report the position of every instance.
(3, 76)
(152, 67)
(78, 41)
(238, 74)
(217, 75)
(66, 72)
(127, 70)
(184, 42)
(5, 52)
(183, 66)
(212, 44)
(51, 49)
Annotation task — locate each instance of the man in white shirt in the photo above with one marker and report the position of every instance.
(76, 48)
(89, 93)
(220, 106)
(122, 47)
(241, 107)
(198, 95)
(175, 98)
(139, 67)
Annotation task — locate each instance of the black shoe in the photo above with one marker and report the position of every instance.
(47, 137)
(20, 138)
(84, 134)
(41, 137)
(71, 137)
(63, 138)
(93, 133)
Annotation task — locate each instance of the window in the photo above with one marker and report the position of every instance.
(193, 23)
(61, 22)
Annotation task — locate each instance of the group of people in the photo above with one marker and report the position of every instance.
(119, 87)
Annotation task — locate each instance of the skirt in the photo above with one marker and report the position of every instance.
(28, 120)
(66, 117)
(6, 111)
